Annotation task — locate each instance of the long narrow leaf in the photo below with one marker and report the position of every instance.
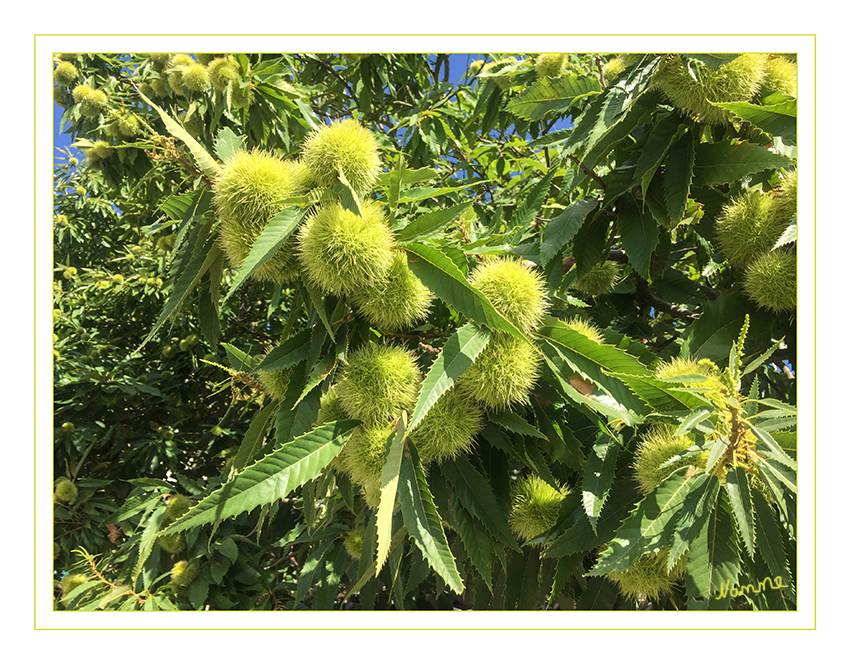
(389, 489)
(422, 521)
(738, 490)
(273, 237)
(456, 356)
(271, 478)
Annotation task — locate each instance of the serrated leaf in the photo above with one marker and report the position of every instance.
(432, 223)
(148, 539)
(389, 489)
(649, 527)
(769, 445)
(757, 362)
(665, 132)
(657, 393)
(185, 282)
(476, 543)
(423, 523)
(715, 452)
(552, 95)
(443, 278)
(421, 193)
(770, 541)
(206, 163)
(639, 235)
(475, 494)
(273, 237)
(253, 438)
(288, 354)
(777, 471)
(678, 174)
(456, 356)
(729, 161)
(598, 475)
(238, 359)
(713, 559)
(787, 237)
(530, 205)
(563, 227)
(696, 510)
(693, 418)
(227, 143)
(774, 120)
(738, 490)
(271, 478)
(513, 422)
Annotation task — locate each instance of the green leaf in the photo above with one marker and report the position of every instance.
(513, 422)
(769, 445)
(476, 543)
(186, 281)
(395, 180)
(678, 174)
(227, 143)
(552, 95)
(530, 206)
(239, 360)
(639, 235)
(389, 489)
(253, 438)
(666, 130)
(658, 394)
(774, 120)
(148, 539)
(778, 472)
(271, 478)
(718, 447)
(475, 494)
(423, 523)
(738, 490)
(597, 362)
(273, 237)
(456, 356)
(207, 164)
(442, 277)
(432, 223)
(421, 193)
(713, 559)
(770, 542)
(598, 475)
(693, 418)
(649, 527)
(288, 354)
(563, 227)
(757, 362)
(729, 161)
(696, 510)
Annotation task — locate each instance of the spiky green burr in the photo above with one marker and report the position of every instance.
(448, 429)
(66, 491)
(345, 253)
(65, 74)
(345, 146)
(378, 383)
(648, 576)
(737, 80)
(503, 373)
(771, 280)
(656, 446)
(599, 279)
(396, 302)
(550, 65)
(247, 194)
(515, 290)
(748, 226)
(534, 507)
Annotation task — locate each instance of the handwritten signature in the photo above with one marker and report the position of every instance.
(749, 589)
